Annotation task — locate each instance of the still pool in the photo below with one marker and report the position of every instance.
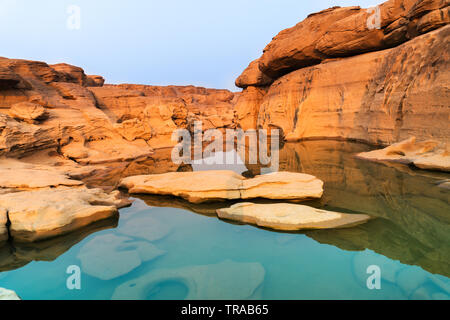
(166, 248)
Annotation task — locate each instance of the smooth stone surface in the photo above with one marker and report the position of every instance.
(108, 256)
(282, 185)
(201, 186)
(6, 294)
(224, 280)
(154, 229)
(49, 212)
(430, 155)
(289, 217)
(16, 174)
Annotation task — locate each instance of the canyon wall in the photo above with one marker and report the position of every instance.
(338, 74)
(60, 107)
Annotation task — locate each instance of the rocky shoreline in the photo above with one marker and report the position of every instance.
(64, 133)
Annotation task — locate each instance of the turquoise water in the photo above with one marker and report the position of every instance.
(154, 251)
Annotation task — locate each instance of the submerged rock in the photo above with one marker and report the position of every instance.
(108, 256)
(147, 228)
(425, 155)
(289, 217)
(6, 294)
(46, 213)
(201, 186)
(224, 280)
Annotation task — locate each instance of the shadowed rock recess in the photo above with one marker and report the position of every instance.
(67, 139)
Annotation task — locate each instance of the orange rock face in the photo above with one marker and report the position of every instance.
(59, 106)
(343, 32)
(379, 97)
(337, 78)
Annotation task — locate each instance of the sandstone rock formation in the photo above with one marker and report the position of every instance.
(201, 186)
(425, 155)
(412, 224)
(45, 213)
(65, 126)
(28, 112)
(224, 280)
(22, 176)
(343, 32)
(289, 217)
(108, 256)
(57, 106)
(334, 76)
(253, 76)
(14, 255)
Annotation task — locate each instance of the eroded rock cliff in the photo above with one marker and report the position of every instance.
(379, 75)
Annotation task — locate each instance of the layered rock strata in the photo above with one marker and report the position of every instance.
(379, 75)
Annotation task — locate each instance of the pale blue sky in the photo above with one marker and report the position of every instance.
(200, 42)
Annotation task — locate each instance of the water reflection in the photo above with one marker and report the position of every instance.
(16, 255)
(412, 225)
(415, 213)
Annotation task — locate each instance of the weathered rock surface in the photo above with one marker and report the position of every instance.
(248, 106)
(109, 256)
(252, 76)
(20, 175)
(289, 217)
(95, 81)
(224, 280)
(6, 294)
(425, 155)
(343, 32)
(201, 186)
(28, 112)
(380, 97)
(46, 213)
(93, 123)
(344, 73)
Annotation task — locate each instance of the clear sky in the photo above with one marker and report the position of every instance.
(200, 42)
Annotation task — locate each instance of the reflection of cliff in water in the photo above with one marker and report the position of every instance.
(415, 213)
(16, 255)
(413, 224)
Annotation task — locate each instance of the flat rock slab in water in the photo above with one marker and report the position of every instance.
(224, 280)
(201, 186)
(429, 155)
(49, 212)
(289, 217)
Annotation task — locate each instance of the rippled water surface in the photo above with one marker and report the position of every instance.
(166, 248)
